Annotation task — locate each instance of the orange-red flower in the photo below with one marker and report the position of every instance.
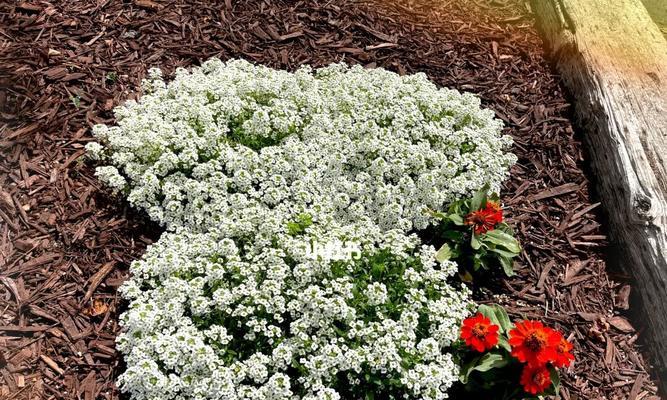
(481, 220)
(493, 208)
(533, 343)
(534, 379)
(485, 219)
(564, 356)
(479, 333)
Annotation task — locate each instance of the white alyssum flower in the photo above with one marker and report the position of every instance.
(254, 172)
(111, 177)
(376, 293)
(94, 150)
(272, 332)
(346, 142)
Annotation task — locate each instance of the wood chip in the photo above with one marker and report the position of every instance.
(52, 364)
(25, 6)
(557, 191)
(147, 4)
(96, 279)
(621, 324)
(23, 329)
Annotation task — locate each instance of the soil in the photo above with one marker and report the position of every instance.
(66, 243)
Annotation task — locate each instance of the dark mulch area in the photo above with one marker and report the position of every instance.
(65, 244)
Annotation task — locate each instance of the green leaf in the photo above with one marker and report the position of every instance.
(490, 361)
(503, 343)
(489, 313)
(378, 269)
(466, 369)
(444, 253)
(435, 214)
(503, 318)
(455, 207)
(497, 315)
(503, 253)
(466, 276)
(507, 264)
(456, 219)
(479, 199)
(501, 238)
(555, 379)
(486, 363)
(475, 243)
(299, 226)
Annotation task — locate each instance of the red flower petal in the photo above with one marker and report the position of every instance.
(564, 357)
(479, 333)
(482, 221)
(535, 380)
(532, 343)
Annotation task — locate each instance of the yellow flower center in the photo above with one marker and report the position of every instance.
(540, 378)
(480, 330)
(536, 341)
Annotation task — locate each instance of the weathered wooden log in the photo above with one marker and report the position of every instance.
(613, 59)
(657, 9)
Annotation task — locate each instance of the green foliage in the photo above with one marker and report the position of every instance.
(299, 226)
(76, 100)
(484, 363)
(111, 77)
(495, 248)
(497, 315)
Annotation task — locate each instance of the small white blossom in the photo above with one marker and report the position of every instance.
(346, 141)
(94, 150)
(376, 293)
(111, 177)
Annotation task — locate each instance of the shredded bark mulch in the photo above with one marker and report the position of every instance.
(65, 243)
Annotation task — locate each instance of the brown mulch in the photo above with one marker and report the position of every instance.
(65, 244)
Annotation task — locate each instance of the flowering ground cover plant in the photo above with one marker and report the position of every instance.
(253, 172)
(213, 320)
(344, 143)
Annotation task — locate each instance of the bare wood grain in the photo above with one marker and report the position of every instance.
(613, 58)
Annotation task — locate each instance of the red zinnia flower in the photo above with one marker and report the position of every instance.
(494, 209)
(533, 343)
(479, 333)
(485, 219)
(482, 221)
(535, 380)
(564, 356)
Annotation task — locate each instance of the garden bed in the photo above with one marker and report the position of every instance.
(66, 244)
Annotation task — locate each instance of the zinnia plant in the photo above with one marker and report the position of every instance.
(564, 357)
(476, 235)
(511, 360)
(533, 343)
(535, 380)
(485, 219)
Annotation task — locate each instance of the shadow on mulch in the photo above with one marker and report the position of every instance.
(65, 244)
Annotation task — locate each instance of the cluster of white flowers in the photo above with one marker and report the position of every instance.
(249, 169)
(212, 319)
(343, 142)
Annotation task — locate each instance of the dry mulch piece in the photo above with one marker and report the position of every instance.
(65, 243)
